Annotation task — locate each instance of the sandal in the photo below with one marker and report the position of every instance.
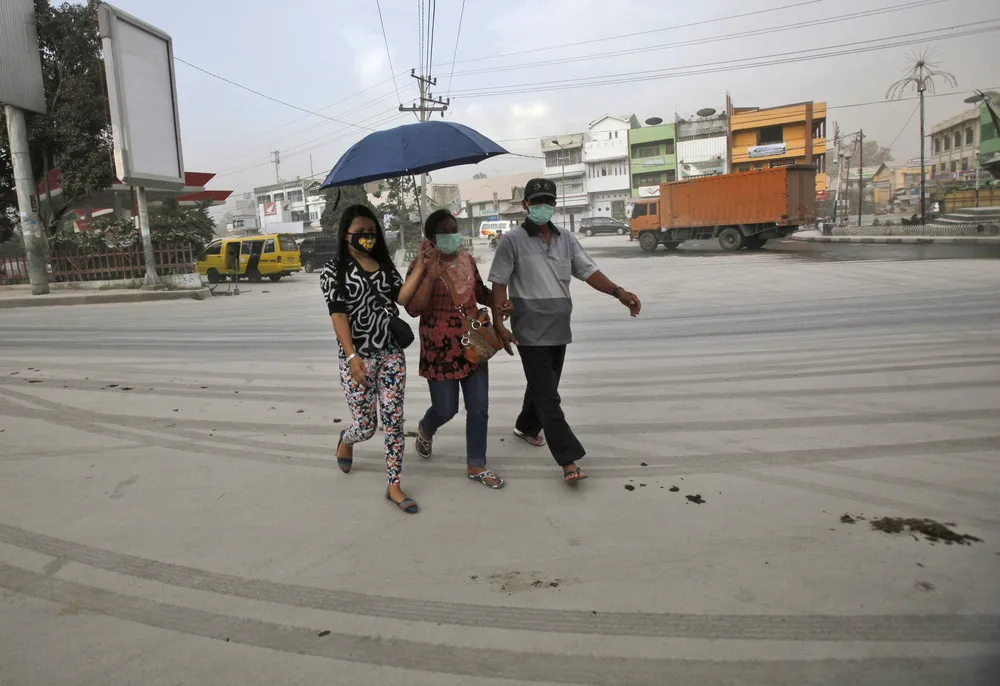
(487, 474)
(574, 475)
(537, 441)
(425, 446)
(407, 505)
(343, 462)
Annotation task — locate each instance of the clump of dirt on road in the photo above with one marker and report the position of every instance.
(931, 530)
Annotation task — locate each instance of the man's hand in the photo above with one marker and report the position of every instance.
(631, 301)
(359, 372)
(506, 337)
(507, 309)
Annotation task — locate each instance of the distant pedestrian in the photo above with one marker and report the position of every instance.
(362, 287)
(451, 288)
(535, 263)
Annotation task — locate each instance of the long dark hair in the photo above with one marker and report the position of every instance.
(433, 220)
(380, 252)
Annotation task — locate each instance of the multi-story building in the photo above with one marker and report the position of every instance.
(955, 147)
(702, 146)
(652, 158)
(606, 158)
(591, 169)
(763, 138)
(240, 218)
(564, 165)
(989, 137)
(290, 201)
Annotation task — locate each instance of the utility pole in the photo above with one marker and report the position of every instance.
(427, 106)
(562, 177)
(27, 201)
(861, 172)
(276, 161)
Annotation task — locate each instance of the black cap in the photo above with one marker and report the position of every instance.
(539, 188)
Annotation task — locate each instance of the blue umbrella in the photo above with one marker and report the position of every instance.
(410, 149)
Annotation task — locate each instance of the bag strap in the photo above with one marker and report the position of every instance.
(451, 291)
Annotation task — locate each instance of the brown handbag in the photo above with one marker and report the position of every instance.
(479, 340)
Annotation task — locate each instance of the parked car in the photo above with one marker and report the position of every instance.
(316, 251)
(595, 225)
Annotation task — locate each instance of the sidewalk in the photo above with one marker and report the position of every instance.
(815, 236)
(10, 299)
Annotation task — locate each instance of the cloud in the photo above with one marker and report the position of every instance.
(370, 63)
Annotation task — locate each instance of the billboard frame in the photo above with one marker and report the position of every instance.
(22, 84)
(109, 20)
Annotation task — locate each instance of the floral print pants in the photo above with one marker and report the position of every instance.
(387, 376)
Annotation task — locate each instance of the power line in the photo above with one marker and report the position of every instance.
(915, 4)
(420, 5)
(321, 109)
(432, 25)
(740, 64)
(388, 56)
(634, 34)
(266, 97)
(461, 16)
(908, 120)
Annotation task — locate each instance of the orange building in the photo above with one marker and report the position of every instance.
(768, 137)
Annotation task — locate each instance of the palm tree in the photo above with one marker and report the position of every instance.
(921, 77)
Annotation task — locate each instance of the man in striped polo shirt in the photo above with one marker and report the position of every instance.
(533, 265)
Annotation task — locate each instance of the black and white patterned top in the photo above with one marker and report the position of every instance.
(363, 300)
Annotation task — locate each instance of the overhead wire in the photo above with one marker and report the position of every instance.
(738, 64)
(432, 27)
(263, 95)
(914, 4)
(388, 55)
(454, 55)
(632, 35)
(908, 120)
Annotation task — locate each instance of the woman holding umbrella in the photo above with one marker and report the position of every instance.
(361, 287)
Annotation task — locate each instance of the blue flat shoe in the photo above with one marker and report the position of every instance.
(344, 463)
(407, 505)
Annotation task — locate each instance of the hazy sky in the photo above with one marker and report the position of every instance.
(329, 56)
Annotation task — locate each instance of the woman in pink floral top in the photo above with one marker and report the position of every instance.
(442, 361)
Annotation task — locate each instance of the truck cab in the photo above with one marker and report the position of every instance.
(645, 221)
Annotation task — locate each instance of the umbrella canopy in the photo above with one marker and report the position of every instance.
(410, 149)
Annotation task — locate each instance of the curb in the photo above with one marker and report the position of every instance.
(101, 298)
(901, 240)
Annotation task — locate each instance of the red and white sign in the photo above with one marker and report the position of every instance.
(649, 191)
(270, 209)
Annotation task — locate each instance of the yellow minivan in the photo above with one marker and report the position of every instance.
(273, 256)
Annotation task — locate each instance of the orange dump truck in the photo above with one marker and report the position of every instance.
(742, 210)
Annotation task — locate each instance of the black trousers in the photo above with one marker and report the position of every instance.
(542, 409)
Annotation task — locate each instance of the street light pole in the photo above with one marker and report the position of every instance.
(562, 157)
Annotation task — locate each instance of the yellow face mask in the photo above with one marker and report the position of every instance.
(365, 242)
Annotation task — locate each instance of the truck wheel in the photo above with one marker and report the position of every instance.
(648, 241)
(308, 267)
(214, 276)
(671, 245)
(731, 239)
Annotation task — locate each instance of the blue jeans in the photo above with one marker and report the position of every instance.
(444, 406)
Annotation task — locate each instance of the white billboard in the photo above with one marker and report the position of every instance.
(20, 63)
(139, 65)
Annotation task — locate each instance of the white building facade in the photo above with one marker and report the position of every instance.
(591, 169)
(290, 201)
